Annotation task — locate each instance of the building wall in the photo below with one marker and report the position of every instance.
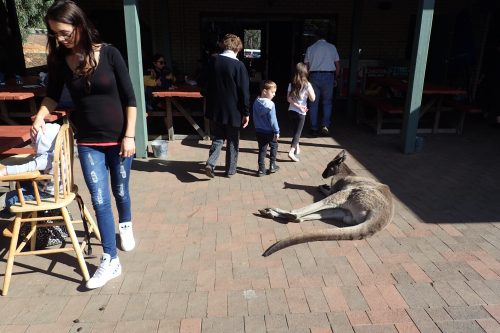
(384, 32)
(175, 25)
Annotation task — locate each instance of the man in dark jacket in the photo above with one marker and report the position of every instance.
(226, 88)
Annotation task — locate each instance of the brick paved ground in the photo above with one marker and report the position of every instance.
(198, 264)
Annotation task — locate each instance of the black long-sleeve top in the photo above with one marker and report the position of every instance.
(226, 88)
(99, 116)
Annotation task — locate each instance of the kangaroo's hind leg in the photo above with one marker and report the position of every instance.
(297, 213)
(327, 214)
(277, 213)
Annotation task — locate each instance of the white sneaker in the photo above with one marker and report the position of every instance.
(292, 156)
(297, 150)
(107, 270)
(126, 236)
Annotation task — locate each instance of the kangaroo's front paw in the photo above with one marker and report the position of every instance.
(267, 212)
(325, 189)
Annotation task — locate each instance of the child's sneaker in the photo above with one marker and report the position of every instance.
(261, 173)
(107, 270)
(126, 236)
(209, 171)
(273, 167)
(292, 156)
(325, 131)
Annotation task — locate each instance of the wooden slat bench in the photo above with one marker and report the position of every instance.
(18, 151)
(383, 107)
(464, 109)
(53, 116)
(391, 111)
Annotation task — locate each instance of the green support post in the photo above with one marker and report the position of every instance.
(133, 34)
(422, 38)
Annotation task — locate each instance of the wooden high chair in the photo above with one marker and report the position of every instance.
(27, 211)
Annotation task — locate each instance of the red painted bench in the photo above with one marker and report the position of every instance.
(464, 109)
(388, 109)
(53, 116)
(17, 151)
(382, 106)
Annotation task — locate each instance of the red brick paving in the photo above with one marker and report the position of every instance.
(198, 267)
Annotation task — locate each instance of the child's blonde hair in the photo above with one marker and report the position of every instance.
(299, 80)
(268, 85)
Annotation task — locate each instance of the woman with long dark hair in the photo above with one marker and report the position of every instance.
(104, 117)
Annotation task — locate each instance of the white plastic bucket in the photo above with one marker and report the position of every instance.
(160, 148)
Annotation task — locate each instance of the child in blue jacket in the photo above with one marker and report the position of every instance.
(44, 145)
(266, 126)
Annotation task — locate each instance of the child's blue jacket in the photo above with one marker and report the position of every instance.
(264, 116)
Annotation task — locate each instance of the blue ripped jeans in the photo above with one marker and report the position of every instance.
(99, 164)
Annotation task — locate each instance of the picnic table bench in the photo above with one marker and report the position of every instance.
(391, 109)
(174, 97)
(383, 107)
(13, 139)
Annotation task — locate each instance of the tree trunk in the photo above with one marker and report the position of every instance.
(11, 54)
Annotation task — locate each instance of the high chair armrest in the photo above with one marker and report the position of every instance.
(21, 176)
(44, 177)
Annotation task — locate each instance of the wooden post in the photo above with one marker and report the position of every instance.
(422, 38)
(168, 120)
(357, 13)
(14, 40)
(133, 34)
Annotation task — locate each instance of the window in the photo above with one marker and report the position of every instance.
(252, 43)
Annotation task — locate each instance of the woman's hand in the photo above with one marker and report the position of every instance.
(38, 124)
(244, 121)
(128, 147)
(303, 108)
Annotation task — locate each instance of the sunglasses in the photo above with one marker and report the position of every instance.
(161, 62)
(64, 35)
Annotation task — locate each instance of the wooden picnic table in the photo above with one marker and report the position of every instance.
(428, 89)
(433, 97)
(14, 96)
(13, 136)
(174, 97)
(35, 89)
(14, 92)
(53, 116)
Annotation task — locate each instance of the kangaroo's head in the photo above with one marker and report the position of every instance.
(335, 166)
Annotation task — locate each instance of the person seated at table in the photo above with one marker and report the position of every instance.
(160, 77)
(44, 148)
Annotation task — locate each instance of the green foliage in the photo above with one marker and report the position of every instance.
(30, 14)
(252, 39)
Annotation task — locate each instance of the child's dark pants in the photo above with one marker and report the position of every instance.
(264, 140)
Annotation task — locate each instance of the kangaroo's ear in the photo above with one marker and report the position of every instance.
(340, 158)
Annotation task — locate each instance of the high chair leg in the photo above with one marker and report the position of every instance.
(92, 223)
(33, 238)
(12, 254)
(76, 244)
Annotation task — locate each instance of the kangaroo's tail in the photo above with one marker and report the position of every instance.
(374, 222)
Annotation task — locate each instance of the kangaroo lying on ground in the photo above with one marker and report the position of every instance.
(363, 203)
